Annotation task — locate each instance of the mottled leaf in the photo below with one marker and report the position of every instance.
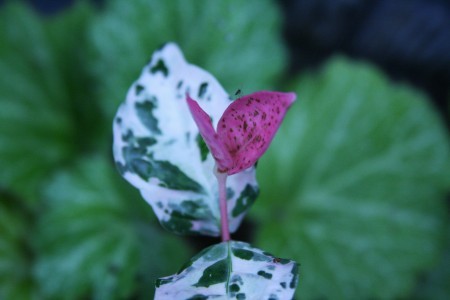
(171, 168)
(231, 270)
(98, 240)
(354, 185)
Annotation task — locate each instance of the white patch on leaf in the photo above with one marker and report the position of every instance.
(170, 171)
(232, 270)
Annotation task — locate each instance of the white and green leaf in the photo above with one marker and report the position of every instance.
(158, 148)
(231, 270)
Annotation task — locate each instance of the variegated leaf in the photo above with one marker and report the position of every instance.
(231, 270)
(158, 148)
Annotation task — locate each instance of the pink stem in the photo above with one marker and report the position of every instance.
(222, 181)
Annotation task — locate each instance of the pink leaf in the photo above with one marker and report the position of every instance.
(249, 124)
(245, 129)
(203, 121)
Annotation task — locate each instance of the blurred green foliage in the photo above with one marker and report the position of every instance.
(354, 184)
(355, 179)
(239, 42)
(93, 226)
(15, 250)
(434, 284)
(40, 85)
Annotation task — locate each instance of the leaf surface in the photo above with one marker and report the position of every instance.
(354, 185)
(238, 41)
(249, 124)
(434, 284)
(231, 270)
(218, 150)
(157, 147)
(98, 240)
(245, 129)
(43, 92)
(16, 280)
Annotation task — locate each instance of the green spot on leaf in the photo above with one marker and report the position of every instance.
(144, 111)
(294, 280)
(145, 141)
(202, 89)
(265, 274)
(141, 142)
(160, 66)
(234, 288)
(216, 273)
(142, 164)
(245, 200)
(230, 193)
(216, 252)
(204, 150)
(177, 224)
(198, 297)
(138, 89)
(161, 281)
(211, 253)
(243, 253)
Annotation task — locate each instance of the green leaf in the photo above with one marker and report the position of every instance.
(44, 91)
(15, 251)
(231, 270)
(434, 284)
(238, 41)
(354, 185)
(157, 148)
(98, 240)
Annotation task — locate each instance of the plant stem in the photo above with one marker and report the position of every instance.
(222, 181)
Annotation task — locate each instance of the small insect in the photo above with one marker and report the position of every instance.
(237, 94)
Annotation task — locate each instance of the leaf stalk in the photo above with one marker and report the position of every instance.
(222, 183)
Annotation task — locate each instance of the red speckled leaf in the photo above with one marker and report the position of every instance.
(249, 124)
